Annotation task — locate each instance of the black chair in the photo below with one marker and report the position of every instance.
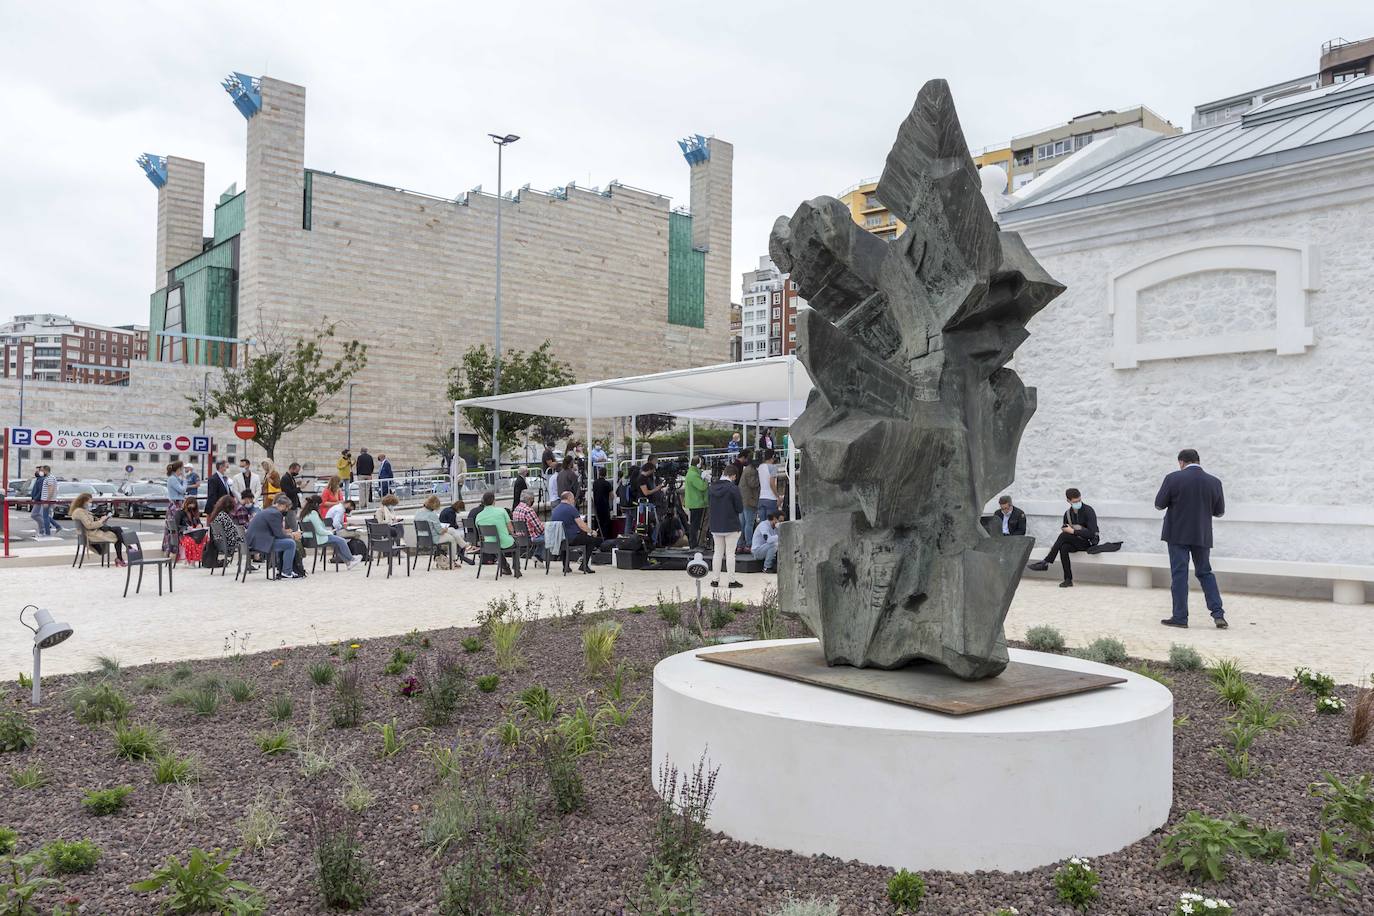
(564, 548)
(321, 550)
(382, 542)
(82, 546)
(246, 558)
(525, 544)
(133, 552)
(491, 547)
(425, 543)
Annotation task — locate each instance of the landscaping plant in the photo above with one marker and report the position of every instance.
(242, 690)
(472, 644)
(598, 647)
(1201, 845)
(280, 707)
(1315, 683)
(344, 876)
(16, 734)
(106, 801)
(1348, 810)
(1076, 883)
(136, 742)
(202, 885)
(21, 879)
(348, 699)
(261, 825)
(171, 769)
(441, 689)
(30, 777)
(1331, 874)
(1112, 651)
(205, 699)
(1362, 719)
(906, 890)
(809, 906)
(96, 704)
(65, 858)
(488, 682)
(1045, 639)
(505, 643)
(1330, 706)
(9, 839)
(1184, 658)
(353, 792)
(322, 674)
(1191, 904)
(276, 742)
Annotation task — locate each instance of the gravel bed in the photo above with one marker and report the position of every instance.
(590, 861)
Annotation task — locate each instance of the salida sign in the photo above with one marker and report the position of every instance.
(113, 440)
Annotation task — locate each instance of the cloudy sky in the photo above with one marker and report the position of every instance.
(810, 93)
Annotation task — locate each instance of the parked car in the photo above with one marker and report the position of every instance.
(153, 501)
(68, 490)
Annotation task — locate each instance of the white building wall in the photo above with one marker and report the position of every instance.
(1288, 433)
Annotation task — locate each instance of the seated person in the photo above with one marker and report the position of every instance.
(268, 536)
(452, 517)
(337, 514)
(765, 543)
(576, 531)
(227, 533)
(527, 520)
(497, 517)
(98, 532)
(443, 534)
(1008, 520)
(243, 513)
(323, 535)
(1078, 532)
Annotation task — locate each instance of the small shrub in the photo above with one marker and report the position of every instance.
(393, 738)
(488, 682)
(279, 708)
(539, 704)
(348, 699)
(30, 777)
(242, 690)
(344, 877)
(136, 742)
(9, 839)
(1089, 654)
(202, 885)
(1076, 883)
(721, 616)
(72, 858)
(1145, 670)
(670, 613)
(261, 825)
(1330, 706)
(169, 769)
(182, 672)
(598, 647)
(1045, 639)
(1184, 658)
(1224, 669)
(322, 674)
(678, 639)
(400, 660)
(1113, 651)
(179, 696)
(441, 687)
(505, 638)
(1349, 808)
(1229, 682)
(1315, 683)
(770, 624)
(276, 742)
(16, 734)
(1201, 845)
(906, 890)
(354, 793)
(635, 609)
(108, 666)
(1190, 904)
(445, 760)
(153, 683)
(205, 700)
(582, 730)
(1332, 875)
(809, 906)
(472, 644)
(684, 807)
(1262, 711)
(560, 765)
(96, 704)
(106, 801)
(211, 679)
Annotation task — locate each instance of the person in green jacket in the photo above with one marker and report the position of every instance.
(694, 498)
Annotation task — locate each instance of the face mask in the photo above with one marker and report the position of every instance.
(1075, 506)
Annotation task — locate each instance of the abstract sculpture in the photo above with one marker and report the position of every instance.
(914, 421)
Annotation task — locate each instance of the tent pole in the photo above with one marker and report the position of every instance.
(591, 471)
(691, 441)
(452, 462)
(758, 429)
(634, 441)
(791, 448)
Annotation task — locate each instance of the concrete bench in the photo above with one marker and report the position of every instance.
(1347, 582)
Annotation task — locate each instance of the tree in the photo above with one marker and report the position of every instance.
(440, 442)
(282, 385)
(649, 423)
(520, 371)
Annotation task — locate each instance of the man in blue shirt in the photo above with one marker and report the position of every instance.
(765, 544)
(576, 531)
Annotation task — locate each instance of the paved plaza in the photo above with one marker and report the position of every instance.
(1268, 634)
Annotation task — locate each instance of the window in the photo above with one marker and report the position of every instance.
(791, 319)
(171, 322)
(233, 447)
(24, 453)
(777, 328)
(871, 221)
(153, 459)
(777, 297)
(1346, 76)
(126, 351)
(777, 313)
(47, 454)
(1024, 157)
(871, 201)
(1082, 140)
(792, 335)
(91, 456)
(133, 457)
(102, 348)
(1054, 148)
(69, 456)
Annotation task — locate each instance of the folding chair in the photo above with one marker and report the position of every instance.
(491, 547)
(133, 552)
(425, 543)
(321, 550)
(382, 542)
(83, 546)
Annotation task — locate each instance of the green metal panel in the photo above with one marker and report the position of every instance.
(309, 199)
(686, 275)
(157, 309)
(229, 218)
(221, 255)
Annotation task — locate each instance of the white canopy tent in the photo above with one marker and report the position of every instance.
(770, 392)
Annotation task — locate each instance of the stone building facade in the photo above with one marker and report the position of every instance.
(618, 280)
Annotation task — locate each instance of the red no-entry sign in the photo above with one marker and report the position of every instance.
(42, 437)
(245, 428)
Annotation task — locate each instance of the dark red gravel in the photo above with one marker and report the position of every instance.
(591, 859)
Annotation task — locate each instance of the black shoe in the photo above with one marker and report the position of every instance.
(588, 570)
(1171, 622)
(1038, 566)
(715, 583)
(1067, 583)
(734, 584)
(1221, 623)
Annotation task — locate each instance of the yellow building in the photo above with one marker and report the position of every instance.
(868, 211)
(998, 156)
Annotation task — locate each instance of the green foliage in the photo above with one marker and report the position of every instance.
(1088, 653)
(598, 647)
(16, 734)
(21, 879)
(667, 893)
(1330, 705)
(261, 825)
(1224, 669)
(279, 742)
(1315, 683)
(393, 737)
(1045, 638)
(182, 672)
(1112, 651)
(684, 807)
(136, 742)
(770, 624)
(322, 673)
(582, 730)
(505, 642)
(520, 371)
(906, 890)
(202, 885)
(354, 793)
(539, 704)
(1076, 883)
(560, 765)
(472, 644)
(282, 385)
(721, 616)
(1331, 874)
(30, 777)
(1190, 904)
(96, 704)
(66, 858)
(204, 700)
(108, 666)
(153, 683)
(488, 682)
(9, 839)
(106, 801)
(25, 682)
(1349, 808)
(445, 760)
(400, 660)
(169, 769)
(1201, 845)
(443, 685)
(1145, 670)
(636, 609)
(1184, 658)
(348, 699)
(678, 639)
(279, 707)
(242, 690)
(1229, 682)
(1262, 711)
(670, 613)
(344, 876)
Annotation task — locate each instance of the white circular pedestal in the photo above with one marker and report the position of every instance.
(815, 770)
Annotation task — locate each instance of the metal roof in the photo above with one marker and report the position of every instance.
(1323, 122)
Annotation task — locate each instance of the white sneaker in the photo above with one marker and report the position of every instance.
(289, 575)
(355, 562)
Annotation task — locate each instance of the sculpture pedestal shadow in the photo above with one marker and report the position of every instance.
(819, 770)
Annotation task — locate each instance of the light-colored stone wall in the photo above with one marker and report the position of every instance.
(1287, 434)
(180, 216)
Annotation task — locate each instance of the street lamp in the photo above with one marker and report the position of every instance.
(46, 634)
(501, 141)
(349, 444)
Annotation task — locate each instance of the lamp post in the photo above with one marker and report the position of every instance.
(349, 444)
(501, 141)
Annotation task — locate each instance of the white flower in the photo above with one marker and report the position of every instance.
(1185, 908)
(1189, 895)
(1209, 903)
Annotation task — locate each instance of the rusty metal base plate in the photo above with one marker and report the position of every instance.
(924, 686)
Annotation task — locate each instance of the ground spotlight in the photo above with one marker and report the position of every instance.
(46, 634)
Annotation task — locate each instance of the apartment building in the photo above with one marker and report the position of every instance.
(1034, 153)
(54, 348)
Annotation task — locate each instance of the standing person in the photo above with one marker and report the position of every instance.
(764, 544)
(1078, 532)
(1191, 498)
(598, 456)
(176, 485)
(518, 487)
(40, 524)
(363, 469)
(576, 531)
(1008, 520)
(344, 467)
(602, 492)
(192, 481)
(750, 488)
(551, 470)
(727, 508)
(268, 536)
(384, 473)
(50, 500)
(694, 500)
(218, 486)
(291, 489)
(497, 517)
(768, 476)
(734, 445)
(567, 479)
(271, 489)
(766, 440)
(97, 530)
(247, 480)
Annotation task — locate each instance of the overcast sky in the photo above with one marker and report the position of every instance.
(810, 94)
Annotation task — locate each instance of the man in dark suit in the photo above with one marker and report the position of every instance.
(1077, 532)
(1191, 498)
(1008, 520)
(291, 489)
(384, 473)
(218, 485)
(268, 535)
